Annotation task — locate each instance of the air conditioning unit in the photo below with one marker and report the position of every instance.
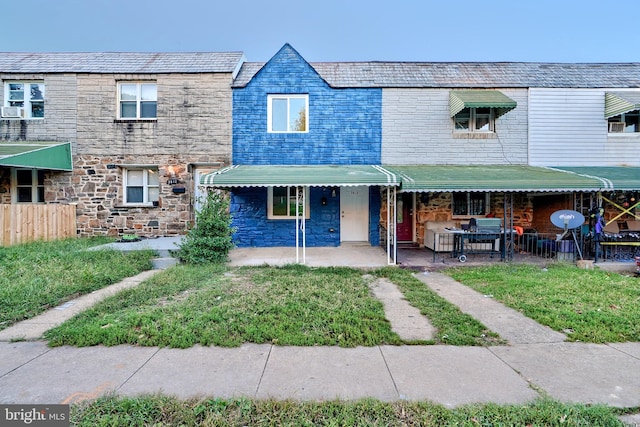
(616, 127)
(12, 112)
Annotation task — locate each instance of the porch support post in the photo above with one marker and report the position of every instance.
(300, 224)
(392, 238)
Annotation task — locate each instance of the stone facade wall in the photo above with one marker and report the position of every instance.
(438, 207)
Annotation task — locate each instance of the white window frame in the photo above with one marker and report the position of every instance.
(37, 188)
(473, 117)
(138, 86)
(147, 198)
(468, 212)
(27, 103)
(288, 98)
(290, 195)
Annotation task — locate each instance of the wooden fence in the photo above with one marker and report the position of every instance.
(27, 222)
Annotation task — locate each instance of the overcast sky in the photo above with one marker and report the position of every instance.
(332, 30)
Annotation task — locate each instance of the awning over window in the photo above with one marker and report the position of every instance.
(616, 103)
(37, 155)
(616, 177)
(491, 178)
(312, 175)
(461, 99)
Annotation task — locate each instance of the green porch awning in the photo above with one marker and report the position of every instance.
(616, 177)
(616, 103)
(461, 99)
(37, 155)
(491, 178)
(290, 175)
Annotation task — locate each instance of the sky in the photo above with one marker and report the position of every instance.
(333, 30)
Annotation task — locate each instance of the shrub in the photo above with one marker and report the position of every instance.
(210, 238)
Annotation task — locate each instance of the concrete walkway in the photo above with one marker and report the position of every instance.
(537, 362)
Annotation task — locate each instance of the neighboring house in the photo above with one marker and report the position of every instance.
(455, 141)
(139, 126)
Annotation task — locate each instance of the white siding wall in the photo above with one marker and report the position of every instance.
(417, 129)
(567, 128)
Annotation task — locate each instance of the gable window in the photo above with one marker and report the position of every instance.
(23, 100)
(141, 186)
(283, 200)
(625, 123)
(470, 204)
(475, 120)
(137, 100)
(288, 113)
(28, 185)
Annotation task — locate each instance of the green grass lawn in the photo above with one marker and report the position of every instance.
(37, 276)
(212, 304)
(162, 410)
(588, 305)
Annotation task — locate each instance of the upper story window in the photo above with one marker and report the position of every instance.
(625, 123)
(475, 120)
(137, 100)
(28, 185)
(288, 113)
(141, 186)
(23, 100)
(470, 204)
(283, 202)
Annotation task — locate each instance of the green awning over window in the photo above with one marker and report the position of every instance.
(491, 178)
(461, 99)
(37, 155)
(616, 177)
(312, 175)
(616, 103)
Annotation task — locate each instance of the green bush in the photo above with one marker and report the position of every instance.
(210, 238)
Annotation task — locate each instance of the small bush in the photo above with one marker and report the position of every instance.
(210, 238)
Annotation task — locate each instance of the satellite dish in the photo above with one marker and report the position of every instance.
(567, 219)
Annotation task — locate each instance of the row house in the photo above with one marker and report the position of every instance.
(382, 152)
(122, 137)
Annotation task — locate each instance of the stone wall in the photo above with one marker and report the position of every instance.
(96, 187)
(438, 207)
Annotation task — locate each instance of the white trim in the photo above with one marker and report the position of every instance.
(145, 186)
(270, 214)
(138, 99)
(288, 98)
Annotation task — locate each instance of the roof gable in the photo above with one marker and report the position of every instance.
(287, 64)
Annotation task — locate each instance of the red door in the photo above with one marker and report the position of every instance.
(405, 217)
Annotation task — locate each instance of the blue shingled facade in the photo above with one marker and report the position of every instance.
(345, 127)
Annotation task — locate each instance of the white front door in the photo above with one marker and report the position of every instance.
(200, 193)
(354, 214)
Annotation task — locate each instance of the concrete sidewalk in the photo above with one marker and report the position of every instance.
(570, 372)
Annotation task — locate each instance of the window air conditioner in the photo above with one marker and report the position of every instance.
(615, 127)
(12, 112)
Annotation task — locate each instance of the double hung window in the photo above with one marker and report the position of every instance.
(28, 185)
(137, 101)
(470, 204)
(625, 123)
(288, 113)
(141, 186)
(23, 100)
(284, 200)
(475, 120)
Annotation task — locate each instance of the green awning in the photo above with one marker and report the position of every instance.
(289, 175)
(616, 103)
(461, 99)
(491, 178)
(616, 177)
(37, 155)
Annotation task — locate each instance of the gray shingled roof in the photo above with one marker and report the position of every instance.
(120, 62)
(466, 74)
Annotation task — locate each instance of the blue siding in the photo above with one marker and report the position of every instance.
(345, 127)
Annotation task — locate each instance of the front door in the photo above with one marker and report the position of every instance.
(200, 193)
(405, 217)
(354, 214)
